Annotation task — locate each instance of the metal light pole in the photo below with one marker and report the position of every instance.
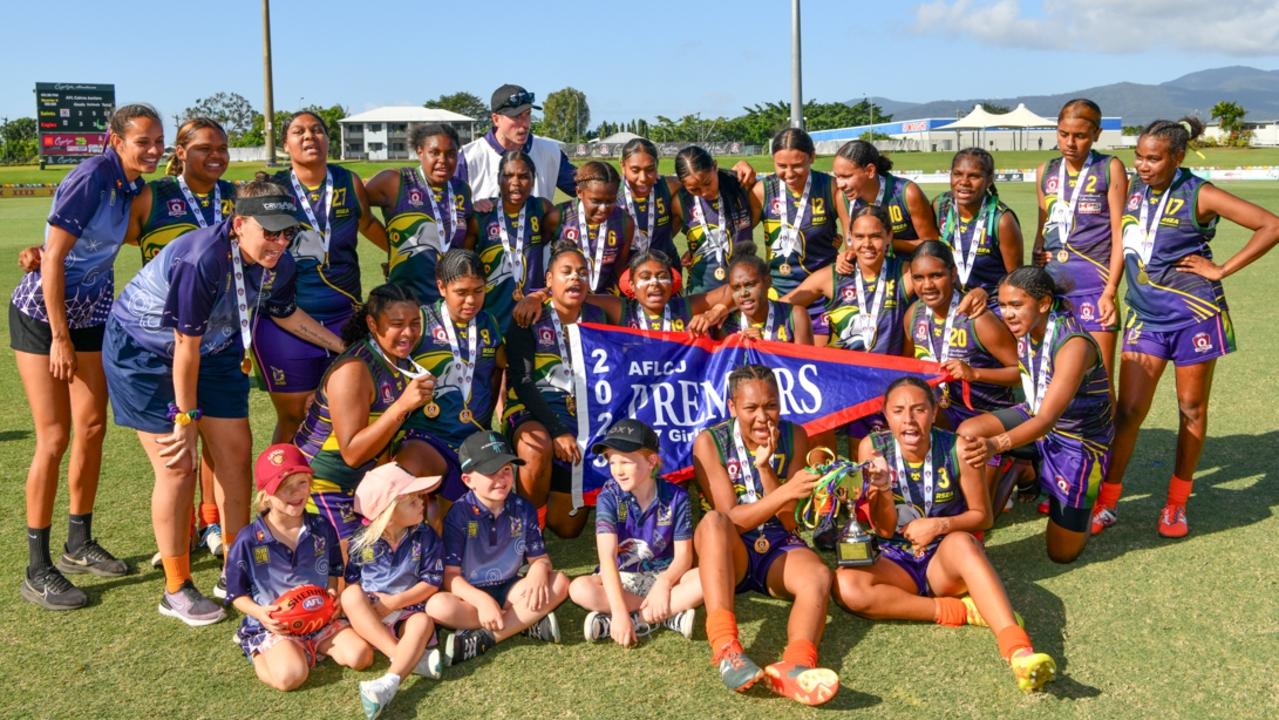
(269, 102)
(796, 86)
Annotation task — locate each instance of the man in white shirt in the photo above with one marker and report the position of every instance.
(512, 109)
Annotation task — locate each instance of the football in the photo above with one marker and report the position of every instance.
(304, 609)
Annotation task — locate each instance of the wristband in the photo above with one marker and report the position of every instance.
(175, 415)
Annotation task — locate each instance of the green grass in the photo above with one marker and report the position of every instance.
(1140, 627)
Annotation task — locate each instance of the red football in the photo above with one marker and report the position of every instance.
(304, 609)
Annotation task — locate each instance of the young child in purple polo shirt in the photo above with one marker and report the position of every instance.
(644, 537)
(284, 548)
(396, 565)
(489, 533)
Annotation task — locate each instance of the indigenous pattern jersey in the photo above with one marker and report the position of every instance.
(609, 271)
(747, 485)
(988, 266)
(553, 376)
(418, 239)
(673, 318)
(171, 214)
(316, 438)
(435, 353)
(816, 230)
(1083, 257)
(1163, 298)
(711, 253)
(849, 325)
(911, 494)
(506, 275)
(328, 282)
(964, 345)
(1088, 417)
(662, 236)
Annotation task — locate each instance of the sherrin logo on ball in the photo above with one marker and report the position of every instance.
(304, 610)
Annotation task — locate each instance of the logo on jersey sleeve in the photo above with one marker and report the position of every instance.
(177, 208)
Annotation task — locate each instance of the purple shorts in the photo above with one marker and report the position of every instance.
(915, 567)
(452, 488)
(1203, 341)
(1086, 312)
(286, 364)
(335, 505)
(780, 542)
(1070, 470)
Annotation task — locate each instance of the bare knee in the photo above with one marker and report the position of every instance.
(582, 589)
(1193, 411)
(52, 442)
(851, 591)
(288, 676)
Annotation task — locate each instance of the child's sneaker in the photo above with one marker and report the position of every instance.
(375, 695)
(466, 645)
(212, 539)
(1033, 670)
(806, 685)
(547, 629)
(597, 626)
(737, 671)
(431, 665)
(681, 622)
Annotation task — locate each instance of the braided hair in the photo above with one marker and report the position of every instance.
(380, 298)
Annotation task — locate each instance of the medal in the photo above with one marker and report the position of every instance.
(785, 268)
(716, 241)
(432, 409)
(513, 251)
(242, 305)
(788, 233)
(944, 401)
(326, 233)
(466, 416)
(594, 261)
(1140, 238)
(1062, 256)
(246, 365)
(643, 238)
(570, 404)
(466, 365)
(761, 545)
(720, 273)
(868, 316)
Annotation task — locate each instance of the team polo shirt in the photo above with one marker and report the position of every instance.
(646, 537)
(491, 548)
(381, 568)
(263, 568)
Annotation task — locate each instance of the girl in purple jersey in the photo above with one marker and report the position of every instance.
(595, 223)
(647, 198)
(57, 317)
(1081, 202)
(982, 231)
(863, 178)
(1177, 306)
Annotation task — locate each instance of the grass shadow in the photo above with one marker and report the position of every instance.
(12, 435)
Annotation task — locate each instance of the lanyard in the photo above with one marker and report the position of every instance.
(903, 479)
(768, 323)
(242, 297)
(1036, 386)
(414, 372)
(566, 359)
(867, 320)
(716, 241)
(596, 259)
(195, 206)
(788, 233)
(943, 354)
(1150, 230)
(446, 238)
(514, 252)
(467, 364)
(643, 237)
(856, 204)
(1064, 210)
(326, 233)
(966, 259)
(641, 316)
(746, 466)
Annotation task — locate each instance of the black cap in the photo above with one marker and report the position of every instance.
(485, 452)
(273, 212)
(628, 435)
(511, 100)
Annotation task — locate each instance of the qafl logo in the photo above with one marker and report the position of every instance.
(1051, 185)
(177, 208)
(776, 206)
(1202, 341)
(921, 331)
(387, 395)
(494, 232)
(849, 293)
(415, 198)
(439, 334)
(546, 336)
(1087, 312)
(1134, 201)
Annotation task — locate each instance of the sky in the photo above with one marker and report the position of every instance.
(660, 57)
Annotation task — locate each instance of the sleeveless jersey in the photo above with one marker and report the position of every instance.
(315, 438)
(617, 221)
(782, 328)
(328, 288)
(434, 353)
(677, 307)
(898, 211)
(1087, 247)
(414, 233)
(966, 347)
(909, 492)
(501, 282)
(662, 237)
(818, 236)
(552, 376)
(988, 268)
(740, 475)
(843, 311)
(1088, 417)
(1162, 298)
(701, 276)
(170, 215)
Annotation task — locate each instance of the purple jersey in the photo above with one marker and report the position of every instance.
(92, 203)
(988, 265)
(328, 282)
(662, 235)
(1162, 297)
(414, 232)
(673, 318)
(263, 568)
(926, 331)
(1086, 249)
(435, 353)
(490, 548)
(381, 568)
(189, 287)
(912, 494)
(607, 275)
(504, 277)
(1088, 416)
(849, 326)
(747, 486)
(701, 216)
(894, 201)
(646, 537)
(816, 236)
(781, 328)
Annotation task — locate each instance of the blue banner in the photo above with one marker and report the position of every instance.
(678, 385)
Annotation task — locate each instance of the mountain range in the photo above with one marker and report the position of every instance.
(1194, 94)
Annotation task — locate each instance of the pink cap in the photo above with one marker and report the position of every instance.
(384, 483)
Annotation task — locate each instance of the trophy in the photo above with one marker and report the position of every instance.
(837, 489)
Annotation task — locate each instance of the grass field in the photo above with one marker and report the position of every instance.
(1140, 626)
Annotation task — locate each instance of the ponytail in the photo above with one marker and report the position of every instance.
(1178, 133)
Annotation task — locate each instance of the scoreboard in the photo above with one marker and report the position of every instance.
(72, 119)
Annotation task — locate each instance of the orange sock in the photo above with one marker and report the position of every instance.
(1109, 495)
(1011, 639)
(721, 628)
(1179, 490)
(177, 570)
(800, 652)
(950, 612)
(208, 513)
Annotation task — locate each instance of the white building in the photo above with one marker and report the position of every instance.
(924, 134)
(1265, 133)
(383, 133)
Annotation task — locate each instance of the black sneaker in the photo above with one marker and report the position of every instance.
(51, 590)
(91, 558)
(465, 645)
(219, 589)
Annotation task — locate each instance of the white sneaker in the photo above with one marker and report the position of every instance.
(431, 665)
(156, 561)
(375, 695)
(597, 626)
(681, 622)
(212, 539)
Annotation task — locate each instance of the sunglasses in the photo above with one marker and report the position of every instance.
(517, 99)
(286, 235)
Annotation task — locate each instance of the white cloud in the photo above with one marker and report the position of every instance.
(1231, 27)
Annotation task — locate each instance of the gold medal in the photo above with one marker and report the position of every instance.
(1143, 278)
(518, 295)
(432, 410)
(720, 273)
(246, 365)
(466, 416)
(944, 402)
(1062, 256)
(761, 544)
(785, 268)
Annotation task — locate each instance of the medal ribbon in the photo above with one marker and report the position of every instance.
(788, 233)
(903, 478)
(1063, 214)
(966, 259)
(1036, 386)
(443, 230)
(868, 318)
(745, 322)
(643, 237)
(717, 241)
(468, 364)
(242, 297)
(513, 252)
(195, 206)
(327, 231)
(596, 260)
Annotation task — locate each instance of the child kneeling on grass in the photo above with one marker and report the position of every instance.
(284, 548)
(397, 564)
(489, 533)
(644, 537)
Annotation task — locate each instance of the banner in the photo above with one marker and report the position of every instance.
(678, 385)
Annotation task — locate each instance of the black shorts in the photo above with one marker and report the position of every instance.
(29, 335)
